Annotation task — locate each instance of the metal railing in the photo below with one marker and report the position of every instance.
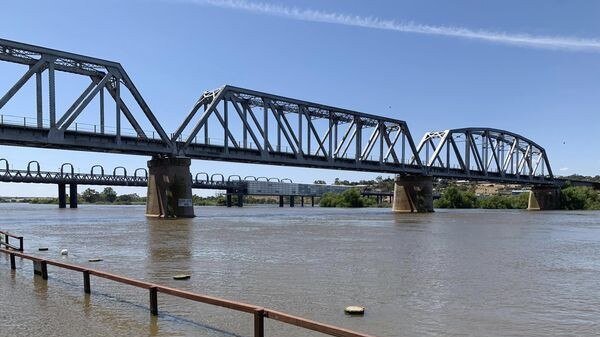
(259, 313)
(5, 241)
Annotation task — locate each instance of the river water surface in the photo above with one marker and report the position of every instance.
(450, 273)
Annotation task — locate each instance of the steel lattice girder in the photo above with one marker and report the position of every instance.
(104, 75)
(281, 130)
(484, 152)
(271, 129)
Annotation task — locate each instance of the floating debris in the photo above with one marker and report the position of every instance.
(95, 260)
(64, 252)
(43, 249)
(355, 310)
(182, 277)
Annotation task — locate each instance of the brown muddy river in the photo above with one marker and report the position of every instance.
(450, 273)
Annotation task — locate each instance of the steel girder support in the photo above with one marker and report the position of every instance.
(309, 131)
(484, 147)
(104, 74)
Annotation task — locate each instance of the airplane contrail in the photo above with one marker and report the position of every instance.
(522, 40)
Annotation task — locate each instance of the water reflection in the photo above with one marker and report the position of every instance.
(169, 247)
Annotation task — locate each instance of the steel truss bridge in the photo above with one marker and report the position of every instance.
(240, 125)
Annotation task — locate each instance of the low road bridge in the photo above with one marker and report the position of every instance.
(247, 126)
(233, 185)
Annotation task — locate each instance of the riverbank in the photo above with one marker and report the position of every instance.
(572, 198)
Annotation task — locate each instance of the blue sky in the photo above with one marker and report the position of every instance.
(531, 67)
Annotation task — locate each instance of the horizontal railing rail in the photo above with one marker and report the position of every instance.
(6, 241)
(260, 313)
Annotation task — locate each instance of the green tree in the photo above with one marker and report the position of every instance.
(320, 182)
(579, 197)
(455, 197)
(108, 195)
(348, 198)
(90, 195)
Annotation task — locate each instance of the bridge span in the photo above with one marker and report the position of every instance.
(233, 185)
(247, 126)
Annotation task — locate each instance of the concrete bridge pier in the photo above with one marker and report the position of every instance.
(62, 195)
(281, 201)
(543, 198)
(72, 195)
(312, 201)
(228, 201)
(169, 188)
(240, 200)
(413, 194)
(292, 203)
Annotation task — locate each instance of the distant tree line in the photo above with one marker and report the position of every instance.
(572, 198)
(348, 198)
(109, 196)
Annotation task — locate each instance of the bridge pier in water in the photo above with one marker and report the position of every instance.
(62, 195)
(413, 194)
(169, 188)
(543, 198)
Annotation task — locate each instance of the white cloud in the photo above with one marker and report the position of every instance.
(563, 169)
(523, 40)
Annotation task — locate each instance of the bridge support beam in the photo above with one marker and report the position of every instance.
(292, 203)
(543, 198)
(228, 201)
(169, 188)
(240, 200)
(312, 201)
(281, 201)
(413, 194)
(72, 195)
(62, 196)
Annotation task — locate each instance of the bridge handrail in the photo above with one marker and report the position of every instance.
(259, 313)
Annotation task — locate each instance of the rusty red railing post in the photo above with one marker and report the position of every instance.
(86, 282)
(13, 265)
(259, 322)
(153, 301)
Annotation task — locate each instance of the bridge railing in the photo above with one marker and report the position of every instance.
(259, 313)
